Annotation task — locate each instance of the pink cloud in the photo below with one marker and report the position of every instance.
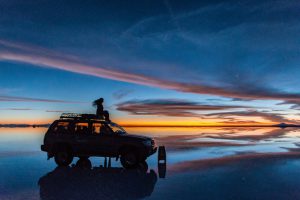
(42, 57)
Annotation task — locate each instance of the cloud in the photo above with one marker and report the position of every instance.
(277, 118)
(27, 99)
(58, 111)
(121, 93)
(168, 107)
(7, 90)
(231, 121)
(45, 58)
(17, 109)
(183, 108)
(295, 105)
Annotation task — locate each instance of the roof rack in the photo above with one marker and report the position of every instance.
(78, 116)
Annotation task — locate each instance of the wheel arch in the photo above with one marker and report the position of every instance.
(127, 147)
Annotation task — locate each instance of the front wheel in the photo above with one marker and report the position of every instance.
(63, 158)
(143, 166)
(129, 159)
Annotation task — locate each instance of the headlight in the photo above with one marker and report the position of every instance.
(147, 142)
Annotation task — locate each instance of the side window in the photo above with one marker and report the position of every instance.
(62, 128)
(99, 128)
(81, 128)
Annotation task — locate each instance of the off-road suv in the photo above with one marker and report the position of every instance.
(83, 136)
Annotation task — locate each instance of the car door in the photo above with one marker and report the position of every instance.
(103, 139)
(82, 138)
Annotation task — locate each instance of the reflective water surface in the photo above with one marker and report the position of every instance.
(202, 163)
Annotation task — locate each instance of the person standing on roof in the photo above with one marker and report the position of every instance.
(99, 104)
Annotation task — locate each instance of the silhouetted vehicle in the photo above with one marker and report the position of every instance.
(74, 183)
(83, 135)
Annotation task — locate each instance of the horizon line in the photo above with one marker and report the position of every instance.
(162, 126)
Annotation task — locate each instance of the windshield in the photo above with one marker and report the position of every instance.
(116, 128)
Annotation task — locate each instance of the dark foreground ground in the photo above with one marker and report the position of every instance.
(201, 164)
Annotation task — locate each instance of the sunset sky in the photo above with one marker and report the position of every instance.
(154, 62)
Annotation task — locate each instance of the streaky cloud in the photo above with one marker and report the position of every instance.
(168, 107)
(121, 93)
(17, 109)
(41, 57)
(27, 99)
(57, 111)
(253, 113)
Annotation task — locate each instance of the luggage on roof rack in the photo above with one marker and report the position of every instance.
(78, 116)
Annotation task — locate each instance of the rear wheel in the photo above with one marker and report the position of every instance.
(129, 159)
(84, 163)
(63, 158)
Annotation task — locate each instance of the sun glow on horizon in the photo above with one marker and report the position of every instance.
(145, 122)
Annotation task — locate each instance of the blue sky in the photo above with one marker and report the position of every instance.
(175, 61)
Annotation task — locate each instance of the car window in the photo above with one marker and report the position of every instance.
(99, 128)
(116, 128)
(62, 128)
(81, 128)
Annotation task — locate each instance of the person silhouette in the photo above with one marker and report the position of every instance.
(99, 104)
(106, 115)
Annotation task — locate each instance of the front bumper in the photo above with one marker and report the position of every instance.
(153, 150)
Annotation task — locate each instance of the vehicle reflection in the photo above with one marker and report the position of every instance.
(97, 183)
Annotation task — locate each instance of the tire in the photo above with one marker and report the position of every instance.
(143, 166)
(84, 163)
(63, 157)
(129, 159)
